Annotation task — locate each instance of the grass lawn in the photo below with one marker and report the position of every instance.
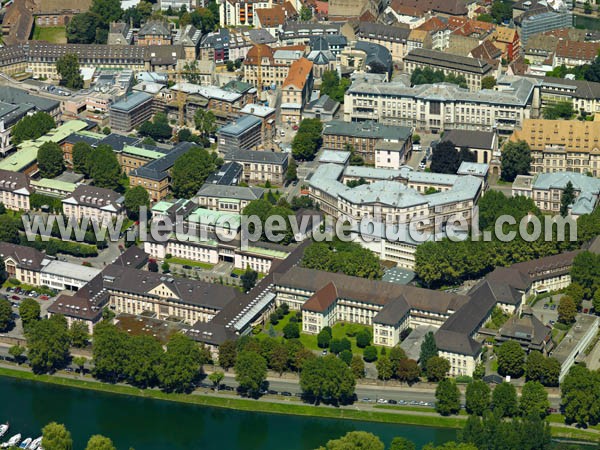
(54, 35)
(187, 262)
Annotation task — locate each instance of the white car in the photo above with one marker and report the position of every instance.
(422, 166)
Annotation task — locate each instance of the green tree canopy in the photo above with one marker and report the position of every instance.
(190, 171)
(50, 160)
(181, 364)
(81, 29)
(56, 437)
(355, 440)
(6, 319)
(447, 397)
(227, 354)
(29, 310)
(104, 167)
(82, 159)
(516, 160)
(333, 86)
(32, 127)
(135, 198)
(534, 399)
(428, 349)
(436, 368)
(48, 344)
(99, 442)
(580, 396)
(511, 359)
(67, 67)
(205, 122)
(79, 334)
(158, 128)
(327, 378)
(308, 139)
(504, 400)
(477, 397)
(250, 371)
(559, 110)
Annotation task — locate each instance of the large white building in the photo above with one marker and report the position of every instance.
(440, 107)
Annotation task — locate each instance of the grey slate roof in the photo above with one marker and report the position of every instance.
(447, 60)
(235, 192)
(256, 156)
(367, 129)
(470, 138)
(158, 169)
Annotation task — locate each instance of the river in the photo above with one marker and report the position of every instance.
(147, 424)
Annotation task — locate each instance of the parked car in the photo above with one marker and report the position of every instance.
(44, 297)
(16, 297)
(392, 401)
(545, 305)
(382, 401)
(295, 127)
(9, 289)
(187, 267)
(553, 307)
(286, 394)
(234, 275)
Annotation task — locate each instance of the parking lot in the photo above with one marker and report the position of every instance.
(545, 309)
(16, 296)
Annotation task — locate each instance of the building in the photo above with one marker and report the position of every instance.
(229, 174)
(528, 331)
(15, 190)
(366, 57)
(580, 336)
(474, 70)
(575, 53)
(189, 37)
(176, 5)
(16, 104)
(267, 115)
(119, 33)
(97, 204)
(321, 57)
(155, 176)
(296, 90)
(323, 108)
(532, 24)
(227, 198)
(363, 138)
(63, 276)
(131, 112)
(546, 190)
(391, 200)
(484, 144)
(391, 37)
(508, 41)
(440, 107)
(244, 133)
(294, 33)
(260, 64)
(22, 263)
(260, 167)
(236, 12)
(559, 146)
(154, 32)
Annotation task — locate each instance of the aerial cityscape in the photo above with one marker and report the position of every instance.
(300, 224)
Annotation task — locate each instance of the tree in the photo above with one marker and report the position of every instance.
(357, 366)
(9, 229)
(384, 368)
(567, 198)
(67, 67)
(227, 354)
(334, 86)
(501, 11)
(596, 301)
(447, 397)
(488, 82)
(6, 315)
(534, 399)
(437, 368)
(82, 28)
(79, 334)
(477, 398)
(327, 378)
(363, 338)
(370, 354)
(82, 152)
(428, 349)
(190, 171)
(516, 160)
(567, 310)
(17, 351)
(408, 371)
(56, 437)
(250, 371)
(108, 10)
(32, 127)
(291, 330)
(216, 377)
(205, 122)
(587, 7)
(109, 352)
(559, 110)
(50, 160)
(445, 158)
(305, 13)
(158, 128)
(80, 361)
(29, 310)
(511, 359)
(99, 442)
(400, 443)
(397, 354)
(181, 364)
(346, 356)
(355, 440)
(249, 278)
(292, 171)
(135, 198)
(143, 366)
(337, 346)
(308, 139)
(580, 396)
(104, 167)
(324, 338)
(48, 344)
(504, 400)
(137, 14)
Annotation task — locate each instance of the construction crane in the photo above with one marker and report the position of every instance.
(258, 71)
(180, 98)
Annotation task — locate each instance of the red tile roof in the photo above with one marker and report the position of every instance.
(322, 299)
(298, 74)
(586, 51)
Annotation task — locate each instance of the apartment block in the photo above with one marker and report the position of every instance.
(131, 112)
(260, 167)
(14, 190)
(97, 204)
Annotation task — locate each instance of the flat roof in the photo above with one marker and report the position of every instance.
(334, 156)
(132, 101)
(70, 270)
(54, 184)
(143, 152)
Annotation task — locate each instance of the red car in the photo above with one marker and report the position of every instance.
(44, 297)
(295, 127)
(16, 297)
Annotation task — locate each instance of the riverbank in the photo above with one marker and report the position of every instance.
(395, 415)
